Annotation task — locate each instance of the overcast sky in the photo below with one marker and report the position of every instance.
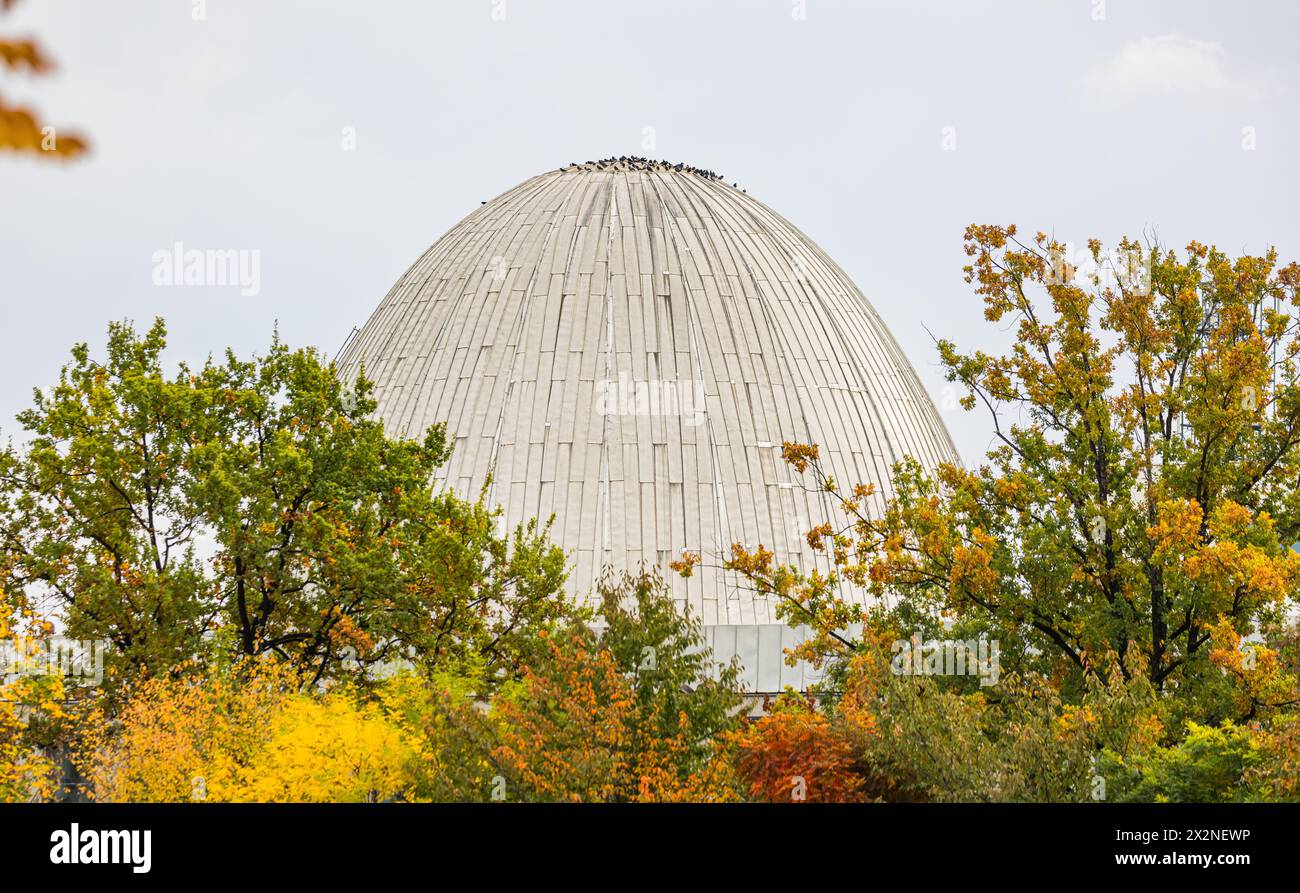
(1076, 117)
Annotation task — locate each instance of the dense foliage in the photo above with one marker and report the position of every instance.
(627, 710)
(254, 507)
(297, 611)
(1127, 544)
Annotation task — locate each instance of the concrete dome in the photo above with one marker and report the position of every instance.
(628, 343)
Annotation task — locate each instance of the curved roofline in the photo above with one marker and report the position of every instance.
(637, 163)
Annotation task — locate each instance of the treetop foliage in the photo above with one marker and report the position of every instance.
(254, 507)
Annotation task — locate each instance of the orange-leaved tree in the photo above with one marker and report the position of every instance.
(631, 711)
(795, 753)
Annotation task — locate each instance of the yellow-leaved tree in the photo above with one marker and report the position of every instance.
(29, 703)
(244, 734)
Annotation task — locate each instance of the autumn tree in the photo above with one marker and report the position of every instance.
(1127, 541)
(244, 732)
(31, 707)
(928, 737)
(680, 690)
(881, 732)
(255, 507)
(794, 753)
(20, 128)
(447, 714)
(629, 711)
(1141, 485)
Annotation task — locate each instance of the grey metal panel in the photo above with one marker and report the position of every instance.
(514, 325)
(747, 650)
(770, 658)
(761, 648)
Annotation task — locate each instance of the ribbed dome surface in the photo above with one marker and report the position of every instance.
(628, 343)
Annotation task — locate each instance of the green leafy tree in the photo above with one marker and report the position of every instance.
(1209, 765)
(447, 715)
(680, 689)
(255, 507)
(926, 737)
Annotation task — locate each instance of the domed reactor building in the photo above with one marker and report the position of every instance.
(625, 345)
